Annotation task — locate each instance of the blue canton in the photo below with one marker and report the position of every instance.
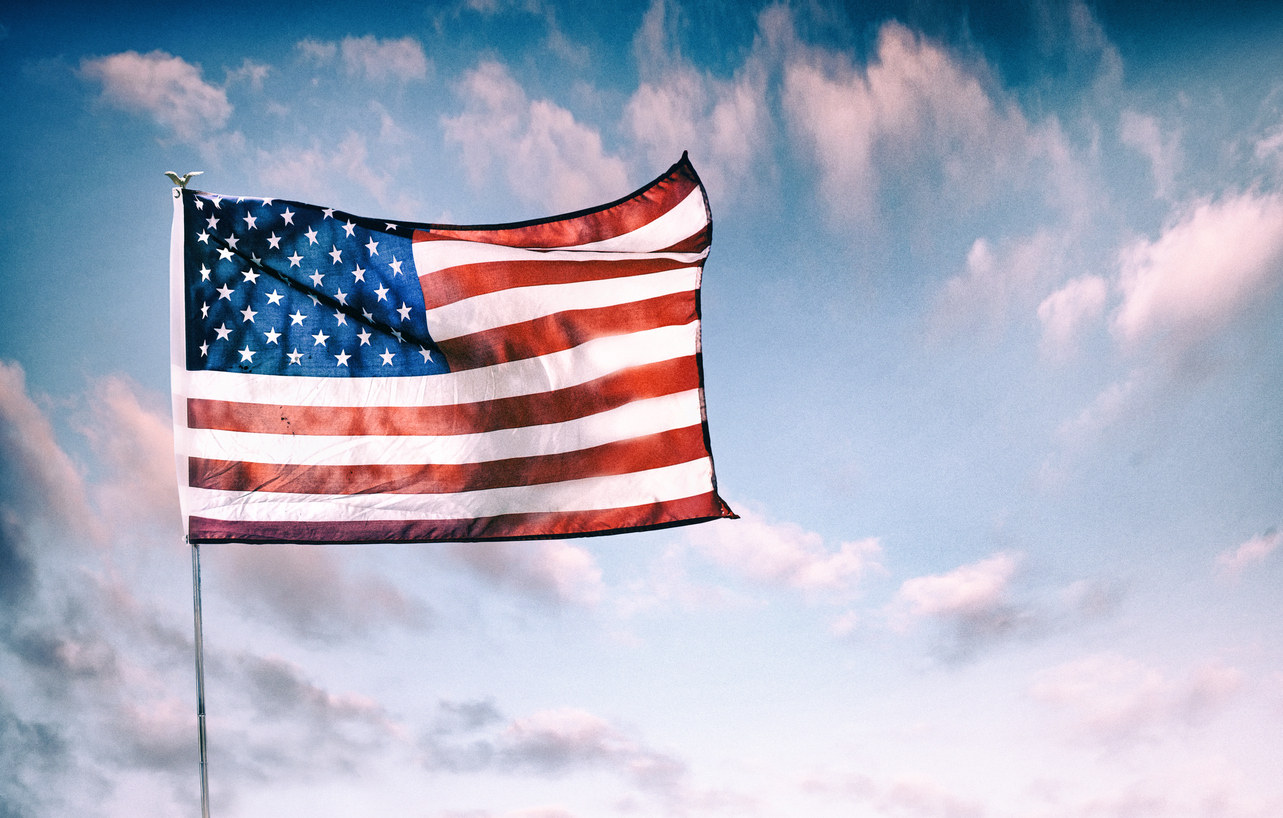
(283, 288)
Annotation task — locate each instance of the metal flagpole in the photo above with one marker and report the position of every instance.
(200, 683)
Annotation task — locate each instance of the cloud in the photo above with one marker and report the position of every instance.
(1206, 270)
(912, 103)
(307, 590)
(550, 571)
(724, 124)
(314, 173)
(996, 281)
(1143, 133)
(376, 59)
(166, 87)
(545, 156)
(1112, 698)
(1065, 312)
(550, 743)
(913, 796)
(971, 591)
(251, 72)
(785, 555)
(1233, 562)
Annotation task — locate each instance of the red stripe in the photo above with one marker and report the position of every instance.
(586, 227)
(622, 457)
(566, 330)
(556, 406)
(549, 525)
(457, 283)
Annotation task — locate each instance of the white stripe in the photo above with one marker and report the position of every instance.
(557, 370)
(588, 494)
(432, 257)
(682, 222)
(634, 419)
(512, 306)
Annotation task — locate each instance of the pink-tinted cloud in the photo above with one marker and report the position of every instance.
(167, 88)
(1067, 311)
(551, 571)
(1253, 552)
(545, 156)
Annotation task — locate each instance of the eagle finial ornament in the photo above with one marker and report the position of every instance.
(182, 181)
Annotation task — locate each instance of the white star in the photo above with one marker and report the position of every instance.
(427, 355)
(295, 259)
(251, 276)
(396, 265)
(254, 258)
(204, 310)
(200, 203)
(368, 316)
(223, 332)
(342, 297)
(398, 336)
(288, 216)
(248, 314)
(404, 311)
(217, 200)
(320, 338)
(275, 241)
(226, 255)
(342, 356)
(392, 227)
(340, 317)
(204, 273)
(316, 278)
(225, 292)
(295, 356)
(387, 356)
(382, 293)
(315, 301)
(359, 274)
(373, 247)
(249, 220)
(329, 212)
(364, 335)
(311, 235)
(232, 240)
(335, 252)
(271, 335)
(348, 228)
(204, 350)
(267, 203)
(212, 222)
(297, 318)
(247, 354)
(203, 237)
(275, 297)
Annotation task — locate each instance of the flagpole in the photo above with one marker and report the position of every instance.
(200, 683)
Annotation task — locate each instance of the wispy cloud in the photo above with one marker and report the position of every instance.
(1235, 561)
(546, 157)
(555, 572)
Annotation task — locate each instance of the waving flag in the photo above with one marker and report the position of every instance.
(339, 379)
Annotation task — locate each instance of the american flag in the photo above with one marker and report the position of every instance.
(339, 379)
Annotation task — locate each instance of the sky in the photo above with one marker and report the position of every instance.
(993, 349)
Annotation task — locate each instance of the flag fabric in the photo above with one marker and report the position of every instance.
(339, 379)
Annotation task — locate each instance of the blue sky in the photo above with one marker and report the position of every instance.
(993, 360)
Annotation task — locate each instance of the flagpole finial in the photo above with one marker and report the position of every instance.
(182, 181)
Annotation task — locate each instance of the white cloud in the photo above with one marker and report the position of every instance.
(969, 591)
(1203, 273)
(312, 173)
(785, 554)
(724, 124)
(1114, 698)
(546, 157)
(1064, 313)
(913, 102)
(1143, 133)
(996, 281)
(168, 88)
(552, 571)
(377, 59)
(1234, 561)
